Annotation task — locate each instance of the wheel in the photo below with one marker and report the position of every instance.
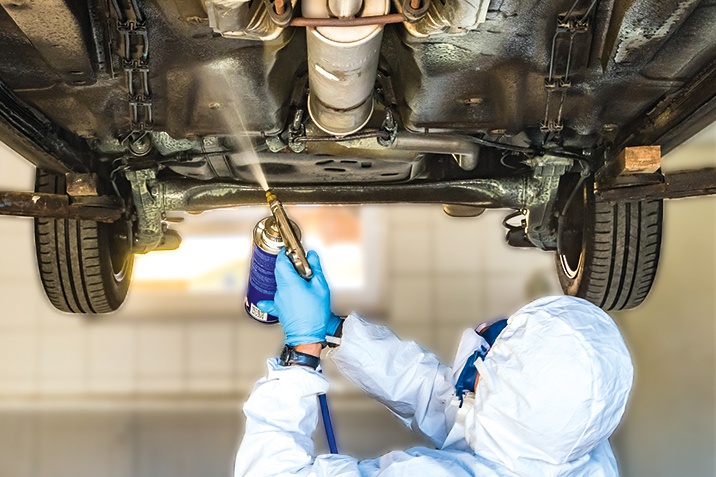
(608, 253)
(85, 267)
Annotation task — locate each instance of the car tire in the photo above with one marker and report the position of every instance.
(609, 253)
(85, 266)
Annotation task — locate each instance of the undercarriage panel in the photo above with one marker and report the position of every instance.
(491, 81)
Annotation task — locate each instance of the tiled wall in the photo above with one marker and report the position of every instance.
(441, 275)
(446, 273)
(158, 395)
(436, 285)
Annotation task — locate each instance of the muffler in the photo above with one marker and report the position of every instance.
(342, 64)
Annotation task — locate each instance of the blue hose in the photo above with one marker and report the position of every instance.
(328, 424)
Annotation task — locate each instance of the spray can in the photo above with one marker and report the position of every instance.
(267, 243)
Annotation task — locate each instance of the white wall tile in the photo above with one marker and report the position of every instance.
(49, 317)
(506, 293)
(161, 357)
(63, 361)
(211, 357)
(16, 226)
(434, 284)
(211, 348)
(256, 342)
(457, 244)
(411, 299)
(112, 358)
(412, 214)
(200, 384)
(18, 304)
(459, 298)
(448, 339)
(409, 249)
(18, 361)
(424, 335)
(17, 173)
(17, 250)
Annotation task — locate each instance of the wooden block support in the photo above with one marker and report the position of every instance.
(639, 160)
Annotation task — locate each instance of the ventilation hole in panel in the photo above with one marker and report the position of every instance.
(366, 165)
(324, 162)
(334, 169)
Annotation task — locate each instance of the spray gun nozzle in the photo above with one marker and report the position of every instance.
(294, 249)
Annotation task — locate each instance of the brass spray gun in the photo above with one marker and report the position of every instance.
(294, 249)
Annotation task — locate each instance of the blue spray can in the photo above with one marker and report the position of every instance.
(267, 244)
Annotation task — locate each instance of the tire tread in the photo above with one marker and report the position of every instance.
(623, 254)
(70, 266)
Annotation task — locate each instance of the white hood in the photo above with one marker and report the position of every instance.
(551, 390)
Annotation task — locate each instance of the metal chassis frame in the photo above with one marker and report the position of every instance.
(37, 139)
(533, 193)
(676, 118)
(49, 147)
(674, 185)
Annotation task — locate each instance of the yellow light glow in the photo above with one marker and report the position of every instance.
(216, 261)
(196, 257)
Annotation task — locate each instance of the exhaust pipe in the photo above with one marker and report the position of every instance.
(342, 64)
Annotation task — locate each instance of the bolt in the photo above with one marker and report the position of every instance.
(297, 120)
(280, 7)
(141, 146)
(472, 101)
(389, 121)
(296, 146)
(609, 127)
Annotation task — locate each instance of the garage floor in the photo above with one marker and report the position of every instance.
(159, 443)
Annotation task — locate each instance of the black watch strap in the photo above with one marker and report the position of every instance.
(289, 356)
(339, 330)
(334, 340)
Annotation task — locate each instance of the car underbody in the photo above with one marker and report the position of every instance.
(559, 110)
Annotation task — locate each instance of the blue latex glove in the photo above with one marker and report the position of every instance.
(303, 307)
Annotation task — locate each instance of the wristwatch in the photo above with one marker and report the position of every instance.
(289, 356)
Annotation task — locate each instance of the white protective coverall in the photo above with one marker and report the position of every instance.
(551, 391)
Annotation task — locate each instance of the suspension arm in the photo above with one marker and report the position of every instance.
(194, 196)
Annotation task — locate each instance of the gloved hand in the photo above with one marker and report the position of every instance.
(303, 307)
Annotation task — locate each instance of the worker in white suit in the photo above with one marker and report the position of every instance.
(539, 399)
